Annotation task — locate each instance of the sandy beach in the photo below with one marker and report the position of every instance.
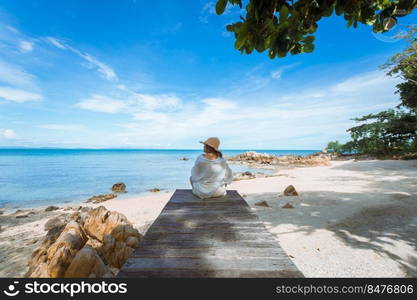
(351, 219)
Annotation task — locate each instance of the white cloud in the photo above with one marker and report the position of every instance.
(100, 103)
(12, 29)
(26, 46)
(7, 134)
(15, 75)
(152, 116)
(218, 104)
(276, 74)
(362, 82)
(56, 42)
(308, 118)
(18, 95)
(141, 106)
(106, 71)
(63, 127)
(16, 84)
(151, 102)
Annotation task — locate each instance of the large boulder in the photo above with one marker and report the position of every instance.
(119, 187)
(115, 233)
(86, 263)
(93, 243)
(61, 253)
(290, 191)
(57, 250)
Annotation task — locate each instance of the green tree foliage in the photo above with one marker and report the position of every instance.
(386, 133)
(404, 65)
(335, 146)
(281, 27)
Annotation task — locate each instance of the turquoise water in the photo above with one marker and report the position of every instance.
(37, 177)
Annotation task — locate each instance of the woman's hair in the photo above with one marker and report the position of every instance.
(210, 149)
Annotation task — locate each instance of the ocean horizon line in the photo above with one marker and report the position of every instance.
(148, 149)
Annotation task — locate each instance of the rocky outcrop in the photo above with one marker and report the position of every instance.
(249, 175)
(243, 176)
(119, 187)
(51, 208)
(61, 220)
(87, 263)
(288, 205)
(101, 198)
(112, 235)
(262, 203)
(256, 159)
(93, 243)
(154, 190)
(19, 214)
(290, 191)
(252, 156)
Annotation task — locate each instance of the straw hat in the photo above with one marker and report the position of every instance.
(213, 142)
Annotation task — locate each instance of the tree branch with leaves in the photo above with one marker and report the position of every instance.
(281, 27)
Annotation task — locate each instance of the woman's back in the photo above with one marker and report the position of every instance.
(209, 177)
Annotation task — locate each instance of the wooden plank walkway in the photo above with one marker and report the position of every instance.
(217, 237)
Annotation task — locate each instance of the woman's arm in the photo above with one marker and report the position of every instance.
(196, 171)
(229, 175)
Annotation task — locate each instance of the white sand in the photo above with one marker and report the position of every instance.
(352, 219)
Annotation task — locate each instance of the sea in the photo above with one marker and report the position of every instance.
(41, 177)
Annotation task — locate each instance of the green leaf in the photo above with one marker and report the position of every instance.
(328, 11)
(240, 41)
(339, 8)
(309, 39)
(283, 13)
(308, 48)
(220, 6)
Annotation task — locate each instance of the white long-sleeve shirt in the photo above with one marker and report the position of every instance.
(209, 177)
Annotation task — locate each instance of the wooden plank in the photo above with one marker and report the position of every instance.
(207, 224)
(205, 229)
(201, 218)
(208, 236)
(204, 252)
(209, 263)
(203, 273)
(218, 237)
(208, 244)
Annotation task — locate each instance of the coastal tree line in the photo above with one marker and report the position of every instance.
(393, 131)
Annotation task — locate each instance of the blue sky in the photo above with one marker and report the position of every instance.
(164, 74)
